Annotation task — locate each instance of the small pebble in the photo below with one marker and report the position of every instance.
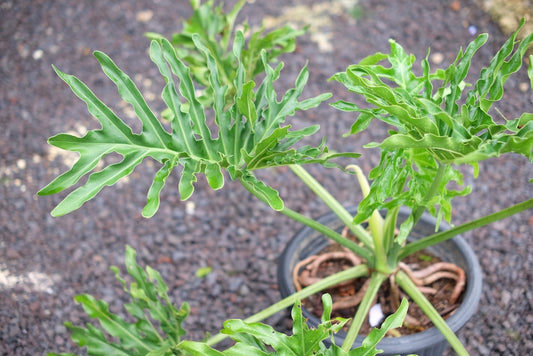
(23, 50)
(58, 340)
(34, 307)
(455, 5)
(21, 164)
(60, 329)
(375, 315)
(483, 350)
(145, 16)
(38, 54)
(436, 58)
(506, 297)
(190, 207)
(244, 290)
(12, 254)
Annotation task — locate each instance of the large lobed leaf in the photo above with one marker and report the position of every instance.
(430, 129)
(251, 130)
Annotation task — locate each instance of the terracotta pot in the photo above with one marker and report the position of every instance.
(308, 242)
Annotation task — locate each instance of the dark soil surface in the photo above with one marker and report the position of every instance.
(45, 261)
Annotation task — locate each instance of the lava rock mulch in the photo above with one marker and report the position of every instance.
(45, 261)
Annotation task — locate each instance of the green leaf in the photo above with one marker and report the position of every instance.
(96, 342)
(203, 271)
(457, 72)
(197, 348)
(155, 335)
(530, 71)
(106, 177)
(152, 201)
(152, 129)
(402, 65)
(447, 149)
(262, 191)
(215, 28)
(113, 324)
(260, 340)
(304, 341)
(251, 130)
(428, 127)
(368, 348)
(246, 102)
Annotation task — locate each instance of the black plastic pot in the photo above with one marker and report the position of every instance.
(308, 242)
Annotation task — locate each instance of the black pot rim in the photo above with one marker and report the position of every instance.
(404, 344)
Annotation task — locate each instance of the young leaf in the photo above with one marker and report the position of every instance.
(370, 343)
(304, 341)
(128, 334)
(429, 130)
(148, 295)
(215, 29)
(96, 342)
(261, 340)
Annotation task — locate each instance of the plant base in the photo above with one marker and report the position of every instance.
(308, 242)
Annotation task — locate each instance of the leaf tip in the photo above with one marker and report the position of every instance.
(149, 210)
(56, 212)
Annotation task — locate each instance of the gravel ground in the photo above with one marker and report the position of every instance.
(45, 261)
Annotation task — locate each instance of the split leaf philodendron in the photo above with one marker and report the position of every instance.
(216, 29)
(437, 121)
(150, 302)
(242, 145)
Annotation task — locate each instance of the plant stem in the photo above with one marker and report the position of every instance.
(389, 227)
(381, 262)
(330, 233)
(417, 214)
(376, 280)
(448, 234)
(375, 223)
(333, 204)
(410, 288)
(351, 273)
